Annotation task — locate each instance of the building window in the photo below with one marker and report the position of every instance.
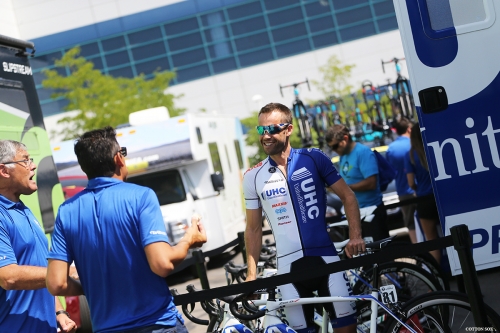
(192, 73)
(244, 10)
(358, 31)
(181, 26)
(148, 51)
(256, 57)
(321, 24)
(292, 31)
(285, 16)
(184, 42)
(250, 42)
(354, 15)
(327, 39)
(247, 26)
(341, 4)
(118, 58)
(144, 36)
(189, 57)
(113, 43)
(150, 66)
(294, 47)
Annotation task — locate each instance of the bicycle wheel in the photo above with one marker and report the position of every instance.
(409, 280)
(444, 311)
(404, 98)
(425, 261)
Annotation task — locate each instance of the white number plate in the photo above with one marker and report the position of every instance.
(388, 294)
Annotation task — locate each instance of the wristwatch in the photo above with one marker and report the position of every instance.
(62, 311)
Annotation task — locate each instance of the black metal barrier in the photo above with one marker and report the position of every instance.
(460, 239)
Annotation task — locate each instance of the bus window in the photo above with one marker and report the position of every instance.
(166, 184)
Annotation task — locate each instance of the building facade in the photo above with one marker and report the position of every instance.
(230, 56)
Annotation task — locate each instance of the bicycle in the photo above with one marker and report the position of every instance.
(320, 122)
(273, 317)
(380, 122)
(299, 111)
(404, 97)
(363, 130)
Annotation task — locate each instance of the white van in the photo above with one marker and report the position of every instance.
(194, 163)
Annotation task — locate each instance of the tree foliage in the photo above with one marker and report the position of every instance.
(335, 78)
(253, 138)
(103, 100)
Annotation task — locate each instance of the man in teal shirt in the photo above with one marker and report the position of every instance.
(358, 166)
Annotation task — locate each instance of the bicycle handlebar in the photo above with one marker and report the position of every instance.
(233, 307)
(294, 85)
(394, 60)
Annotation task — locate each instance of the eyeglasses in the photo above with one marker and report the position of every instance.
(272, 129)
(27, 163)
(335, 146)
(123, 151)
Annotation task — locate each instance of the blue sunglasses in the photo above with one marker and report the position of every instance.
(272, 129)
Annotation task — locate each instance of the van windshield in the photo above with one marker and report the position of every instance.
(166, 184)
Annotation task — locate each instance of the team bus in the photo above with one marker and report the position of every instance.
(21, 120)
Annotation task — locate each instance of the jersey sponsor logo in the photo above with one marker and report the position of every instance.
(280, 210)
(301, 174)
(346, 168)
(306, 194)
(279, 204)
(17, 68)
(283, 217)
(157, 232)
(283, 223)
(273, 193)
(272, 170)
(273, 181)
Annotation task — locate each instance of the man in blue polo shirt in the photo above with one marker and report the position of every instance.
(114, 232)
(396, 153)
(25, 303)
(358, 166)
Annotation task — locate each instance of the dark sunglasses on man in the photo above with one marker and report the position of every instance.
(123, 151)
(272, 129)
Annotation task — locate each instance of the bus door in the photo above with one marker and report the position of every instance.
(452, 52)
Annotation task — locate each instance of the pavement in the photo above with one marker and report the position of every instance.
(488, 281)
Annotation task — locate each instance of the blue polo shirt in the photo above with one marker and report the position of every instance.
(422, 176)
(23, 242)
(104, 230)
(395, 155)
(358, 165)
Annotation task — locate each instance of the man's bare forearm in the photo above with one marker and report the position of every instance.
(253, 244)
(353, 217)
(20, 277)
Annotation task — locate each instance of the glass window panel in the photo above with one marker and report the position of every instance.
(354, 15)
(250, 42)
(220, 50)
(97, 61)
(187, 58)
(358, 31)
(216, 33)
(117, 59)
(224, 65)
(148, 51)
(167, 185)
(122, 72)
(44, 93)
(294, 47)
(150, 66)
(256, 57)
(387, 24)
(285, 16)
(329, 38)
(185, 42)
(113, 43)
(292, 31)
(51, 108)
(340, 4)
(39, 77)
(274, 4)
(181, 26)
(382, 8)
(193, 73)
(144, 36)
(45, 60)
(212, 19)
(89, 49)
(317, 8)
(244, 10)
(320, 24)
(253, 24)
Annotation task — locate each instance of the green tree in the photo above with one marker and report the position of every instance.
(103, 100)
(335, 78)
(253, 138)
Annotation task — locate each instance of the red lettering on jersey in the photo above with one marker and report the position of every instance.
(255, 166)
(279, 204)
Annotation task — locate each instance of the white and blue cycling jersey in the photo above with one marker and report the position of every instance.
(295, 203)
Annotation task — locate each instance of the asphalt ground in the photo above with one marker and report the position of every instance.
(488, 281)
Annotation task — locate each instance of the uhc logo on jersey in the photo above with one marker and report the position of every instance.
(273, 193)
(306, 194)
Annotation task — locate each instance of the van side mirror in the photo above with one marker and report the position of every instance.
(217, 181)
